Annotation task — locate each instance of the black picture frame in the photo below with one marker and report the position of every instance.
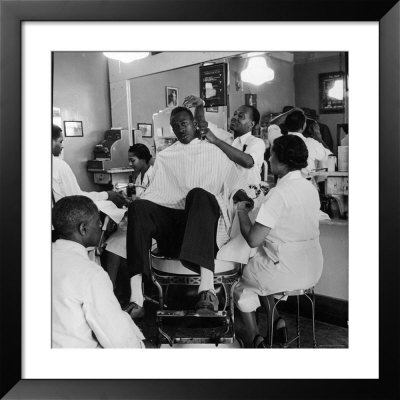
(213, 84)
(250, 99)
(146, 129)
(171, 91)
(73, 129)
(13, 13)
(328, 104)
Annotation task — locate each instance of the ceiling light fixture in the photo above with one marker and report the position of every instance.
(257, 71)
(126, 56)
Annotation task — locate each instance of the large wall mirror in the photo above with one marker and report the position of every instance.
(296, 81)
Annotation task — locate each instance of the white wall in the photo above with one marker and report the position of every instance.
(81, 91)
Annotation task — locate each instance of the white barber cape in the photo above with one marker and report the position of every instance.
(85, 312)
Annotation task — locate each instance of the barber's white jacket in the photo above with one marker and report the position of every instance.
(65, 184)
(255, 147)
(316, 152)
(249, 144)
(85, 311)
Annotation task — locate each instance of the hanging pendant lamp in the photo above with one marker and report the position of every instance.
(257, 71)
(126, 56)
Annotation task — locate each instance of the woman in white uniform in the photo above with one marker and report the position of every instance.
(139, 159)
(286, 234)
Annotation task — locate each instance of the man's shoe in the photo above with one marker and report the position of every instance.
(280, 334)
(207, 303)
(259, 343)
(135, 311)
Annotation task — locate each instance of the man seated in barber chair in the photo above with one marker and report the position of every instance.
(182, 209)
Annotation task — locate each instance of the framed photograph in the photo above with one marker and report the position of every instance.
(171, 96)
(17, 382)
(146, 129)
(332, 92)
(212, 109)
(250, 100)
(73, 129)
(213, 84)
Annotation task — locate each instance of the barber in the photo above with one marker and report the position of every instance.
(246, 150)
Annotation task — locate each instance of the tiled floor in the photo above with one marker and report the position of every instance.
(328, 336)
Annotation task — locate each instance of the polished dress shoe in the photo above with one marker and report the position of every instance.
(207, 303)
(280, 334)
(259, 342)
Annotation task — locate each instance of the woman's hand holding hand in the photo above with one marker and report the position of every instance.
(244, 206)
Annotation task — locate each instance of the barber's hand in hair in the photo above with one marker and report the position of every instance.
(241, 195)
(192, 101)
(117, 198)
(244, 206)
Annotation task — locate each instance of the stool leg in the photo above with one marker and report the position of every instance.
(298, 322)
(313, 320)
(312, 301)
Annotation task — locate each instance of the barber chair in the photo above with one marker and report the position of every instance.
(176, 320)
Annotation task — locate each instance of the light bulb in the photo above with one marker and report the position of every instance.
(257, 71)
(126, 56)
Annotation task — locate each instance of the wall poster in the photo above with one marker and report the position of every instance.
(213, 84)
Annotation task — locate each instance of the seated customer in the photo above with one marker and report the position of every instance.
(286, 235)
(181, 209)
(246, 150)
(85, 312)
(139, 159)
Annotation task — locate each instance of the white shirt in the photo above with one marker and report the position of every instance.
(116, 243)
(83, 303)
(147, 177)
(316, 152)
(65, 184)
(274, 131)
(291, 209)
(255, 147)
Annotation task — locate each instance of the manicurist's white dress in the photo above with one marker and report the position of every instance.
(290, 257)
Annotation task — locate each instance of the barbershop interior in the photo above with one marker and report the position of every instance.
(121, 134)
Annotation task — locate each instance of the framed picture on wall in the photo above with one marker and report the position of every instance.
(146, 129)
(73, 128)
(331, 92)
(171, 95)
(213, 84)
(250, 99)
